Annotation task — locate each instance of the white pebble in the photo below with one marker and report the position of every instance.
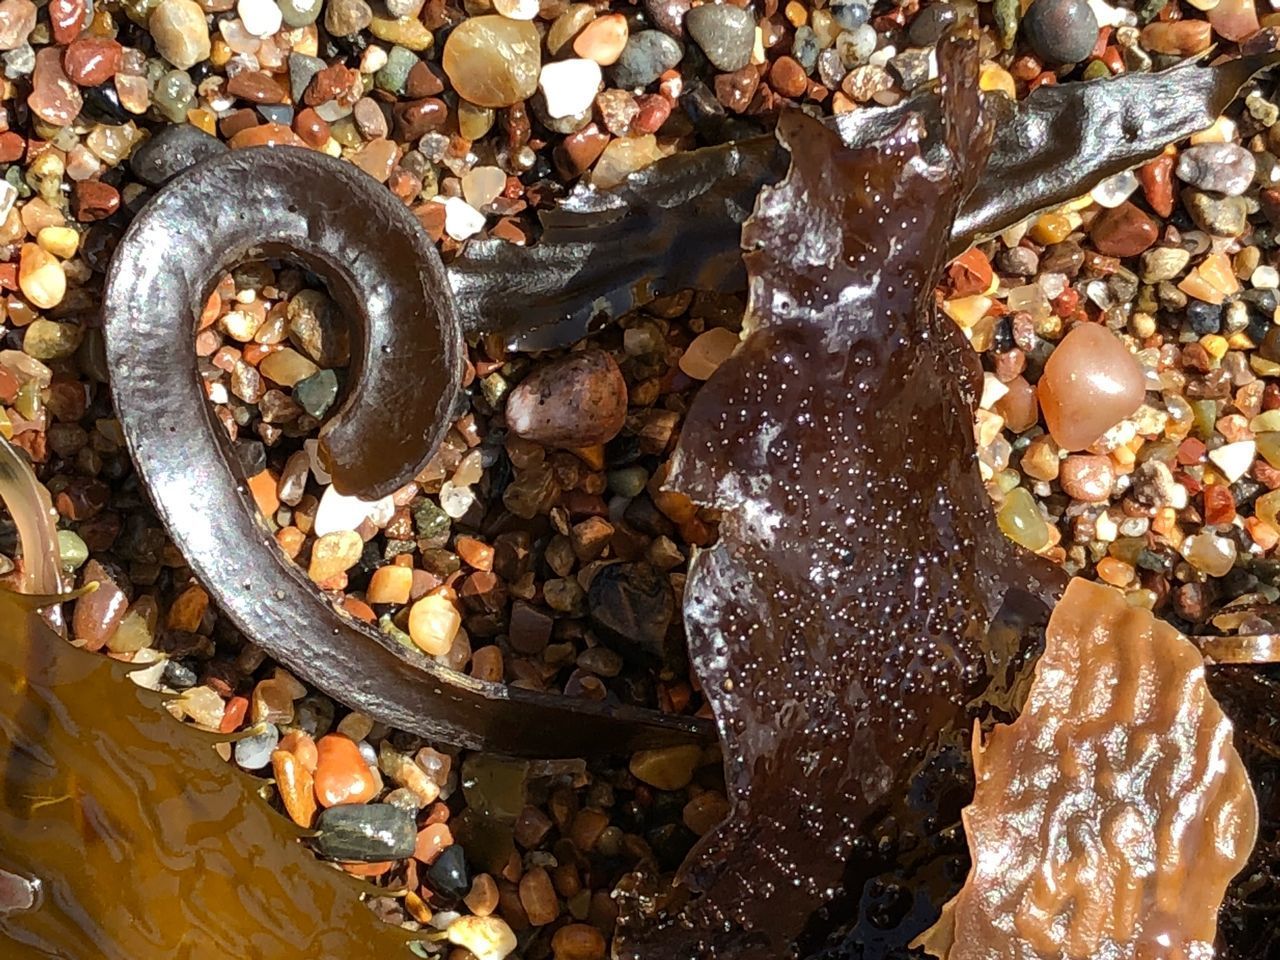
(260, 17)
(1234, 459)
(8, 197)
(1114, 191)
(482, 185)
(339, 512)
(992, 390)
(1105, 527)
(1265, 278)
(489, 938)
(517, 9)
(455, 501)
(372, 60)
(461, 220)
(570, 86)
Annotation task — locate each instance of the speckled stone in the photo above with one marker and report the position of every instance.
(647, 55)
(725, 33)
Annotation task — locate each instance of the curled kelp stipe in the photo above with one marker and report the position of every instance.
(384, 272)
(1109, 818)
(31, 509)
(125, 836)
(839, 625)
(676, 224)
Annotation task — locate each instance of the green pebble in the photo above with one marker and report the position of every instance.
(50, 340)
(1020, 520)
(628, 481)
(395, 73)
(495, 386)
(388, 626)
(1007, 15)
(72, 550)
(1096, 70)
(317, 393)
(174, 96)
(430, 521)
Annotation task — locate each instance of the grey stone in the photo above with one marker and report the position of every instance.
(1061, 31)
(170, 151)
(647, 55)
(365, 833)
(1221, 216)
(1225, 168)
(301, 69)
(725, 33)
(317, 392)
(395, 72)
(254, 751)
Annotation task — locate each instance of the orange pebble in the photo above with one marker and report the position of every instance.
(263, 487)
(297, 791)
(302, 746)
(432, 840)
(342, 776)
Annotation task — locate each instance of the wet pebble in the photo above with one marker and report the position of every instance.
(488, 938)
(1087, 478)
(334, 554)
(1061, 31)
(667, 768)
(725, 33)
(667, 15)
(341, 775)
(1090, 383)
(1124, 231)
(365, 833)
(254, 751)
(575, 401)
(570, 86)
(632, 603)
(647, 55)
(316, 393)
(492, 61)
(99, 614)
(449, 875)
(931, 23)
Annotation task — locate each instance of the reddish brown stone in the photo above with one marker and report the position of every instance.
(787, 77)
(12, 146)
(67, 18)
(431, 216)
(735, 90)
(1219, 504)
(422, 81)
(335, 82)
(1123, 232)
(1156, 178)
(311, 127)
(257, 87)
(969, 273)
(91, 61)
(1269, 200)
(237, 120)
(417, 117)
(1183, 38)
(95, 200)
(578, 151)
(654, 110)
(510, 230)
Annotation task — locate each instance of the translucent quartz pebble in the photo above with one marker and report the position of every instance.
(1109, 817)
(1090, 383)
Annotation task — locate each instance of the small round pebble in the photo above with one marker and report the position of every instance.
(492, 61)
(180, 32)
(488, 938)
(647, 55)
(1225, 168)
(261, 18)
(1061, 31)
(254, 751)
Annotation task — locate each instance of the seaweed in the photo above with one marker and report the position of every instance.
(676, 224)
(840, 625)
(384, 272)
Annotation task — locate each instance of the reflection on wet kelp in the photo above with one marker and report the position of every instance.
(125, 837)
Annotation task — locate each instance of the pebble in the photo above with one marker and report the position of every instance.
(667, 768)
(1090, 383)
(488, 938)
(334, 553)
(407, 32)
(1020, 519)
(461, 220)
(647, 55)
(287, 367)
(365, 833)
(578, 941)
(99, 614)
(603, 39)
(1224, 168)
(1124, 231)
(345, 18)
(931, 23)
(434, 621)
(1163, 263)
(54, 98)
(41, 277)
(570, 86)
(300, 13)
(725, 33)
(493, 61)
(261, 18)
(1181, 38)
(390, 584)
(1221, 216)
(180, 33)
(1061, 31)
(340, 511)
(296, 786)
(254, 751)
(667, 15)
(1234, 459)
(51, 340)
(448, 875)
(707, 351)
(17, 20)
(171, 150)
(632, 603)
(341, 773)
(1209, 553)
(576, 401)
(1087, 478)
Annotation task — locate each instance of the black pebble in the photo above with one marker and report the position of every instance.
(1061, 31)
(1205, 318)
(448, 875)
(366, 833)
(102, 103)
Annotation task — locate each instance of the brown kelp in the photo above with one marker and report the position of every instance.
(1110, 816)
(384, 272)
(125, 835)
(676, 224)
(839, 624)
